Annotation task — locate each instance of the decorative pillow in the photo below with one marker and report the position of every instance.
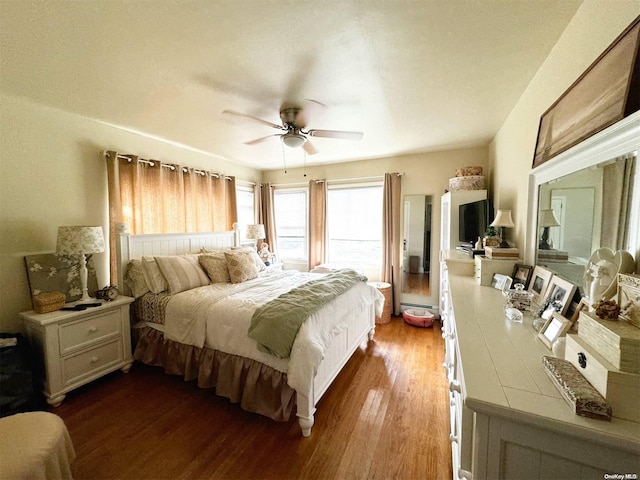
(134, 279)
(153, 276)
(215, 265)
(254, 254)
(241, 265)
(182, 272)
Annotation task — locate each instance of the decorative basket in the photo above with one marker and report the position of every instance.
(471, 182)
(48, 302)
(468, 171)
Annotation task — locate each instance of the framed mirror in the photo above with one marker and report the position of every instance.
(584, 199)
(417, 246)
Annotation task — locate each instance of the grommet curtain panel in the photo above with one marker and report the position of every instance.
(317, 222)
(392, 193)
(264, 213)
(153, 197)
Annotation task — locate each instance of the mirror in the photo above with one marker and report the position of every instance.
(416, 249)
(588, 198)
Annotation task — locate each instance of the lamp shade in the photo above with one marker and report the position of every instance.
(79, 240)
(548, 219)
(503, 219)
(255, 232)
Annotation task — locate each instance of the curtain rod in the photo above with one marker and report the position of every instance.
(152, 163)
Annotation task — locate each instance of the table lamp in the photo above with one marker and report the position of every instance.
(503, 219)
(547, 219)
(81, 241)
(255, 232)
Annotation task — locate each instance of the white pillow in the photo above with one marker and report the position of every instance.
(182, 272)
(153, 276)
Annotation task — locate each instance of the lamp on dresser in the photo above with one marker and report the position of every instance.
(83, 241)
(503, 219)
(547, 219)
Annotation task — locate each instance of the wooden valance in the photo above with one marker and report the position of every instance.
(608, 91)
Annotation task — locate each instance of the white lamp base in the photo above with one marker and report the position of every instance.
(84, 274)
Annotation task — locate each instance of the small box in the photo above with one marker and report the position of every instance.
(48, 302)
(620, 389)
(485, 268)
(618, 341)
(497, 252)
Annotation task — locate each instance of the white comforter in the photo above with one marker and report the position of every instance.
(218, 316)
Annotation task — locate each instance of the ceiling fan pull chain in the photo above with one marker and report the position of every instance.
(284, 158)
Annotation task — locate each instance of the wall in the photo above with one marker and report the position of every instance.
(595, 25)
(424, 174)
(51, 174)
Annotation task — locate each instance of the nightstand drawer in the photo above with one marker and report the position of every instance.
(79, 333)
(76, 366)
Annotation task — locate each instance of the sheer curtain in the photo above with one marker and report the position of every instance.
(617, 181)
(317, 222)
(391, 237)
(153, 197)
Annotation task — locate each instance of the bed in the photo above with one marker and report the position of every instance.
(203, 332)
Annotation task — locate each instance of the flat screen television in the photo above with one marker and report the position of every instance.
(474, 219)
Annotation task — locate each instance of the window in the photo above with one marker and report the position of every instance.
(245, 205)
(290, 207)
(354, 225)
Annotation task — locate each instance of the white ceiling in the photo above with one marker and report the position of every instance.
(414, 76)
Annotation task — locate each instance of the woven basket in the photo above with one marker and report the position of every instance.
(48, 302)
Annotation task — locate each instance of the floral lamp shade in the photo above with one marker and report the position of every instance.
(255, 232)
(80, 240)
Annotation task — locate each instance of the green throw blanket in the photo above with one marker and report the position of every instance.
(275, 325)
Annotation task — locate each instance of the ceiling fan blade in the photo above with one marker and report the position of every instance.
(261, 139)
(309, 148)
(231, 113)
(344, 135)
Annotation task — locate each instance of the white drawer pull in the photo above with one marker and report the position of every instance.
(93, 329)
(93, 359)
(454, 387)
(447, 365)
(453, 438)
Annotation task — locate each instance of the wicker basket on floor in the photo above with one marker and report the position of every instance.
(384, 289)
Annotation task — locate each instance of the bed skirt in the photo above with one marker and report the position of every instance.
(255, 386)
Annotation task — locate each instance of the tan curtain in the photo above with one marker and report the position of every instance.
(617, 181)
(150, 197)
(265, 214)
(391, 237)
(317, 222)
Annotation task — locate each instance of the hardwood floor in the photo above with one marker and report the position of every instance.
(416, 283)
(386, 416)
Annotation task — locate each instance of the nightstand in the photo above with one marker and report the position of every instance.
(275, 266)
(77, 347)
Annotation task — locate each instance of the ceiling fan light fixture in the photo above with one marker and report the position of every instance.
(293, 140)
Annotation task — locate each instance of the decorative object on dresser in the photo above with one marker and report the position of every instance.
(501, 282)
(601, 275)
(546, 220)
(540, 279)
(79, 346)
(594, 101)
(485, 268)
(503, 219)
(81, 240)
(629, 298)
(501, 252)
(559, 294)
(522, 274)
(555, 327)
(48, 302)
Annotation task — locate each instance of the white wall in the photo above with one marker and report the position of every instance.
(594, 27)
(51, 174)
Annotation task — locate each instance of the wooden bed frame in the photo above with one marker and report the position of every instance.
(340, 350)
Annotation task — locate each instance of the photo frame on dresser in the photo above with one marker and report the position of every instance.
(555, 327)
(522, 274)
(559, 294)
(539, 282)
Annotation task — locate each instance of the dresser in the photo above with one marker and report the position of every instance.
(507, 419)
(77, 347)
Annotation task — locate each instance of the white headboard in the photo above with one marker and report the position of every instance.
(131, 247)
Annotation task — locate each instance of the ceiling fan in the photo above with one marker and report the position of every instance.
(294, 120)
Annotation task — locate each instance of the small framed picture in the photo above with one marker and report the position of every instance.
(559, 294)
(556, 326)
(501, 282)
(521, 274)
(538, 283)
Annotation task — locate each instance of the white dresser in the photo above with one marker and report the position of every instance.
(508, 421)
(76, 347)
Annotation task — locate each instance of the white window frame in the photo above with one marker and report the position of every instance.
(284, 190)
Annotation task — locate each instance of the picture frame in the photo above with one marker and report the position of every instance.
(559, 294)
(539, 282)
(522, 274)
(555, 327)
(629, 298)
(501, 282)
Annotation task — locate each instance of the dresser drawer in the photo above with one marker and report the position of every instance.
(74, 367)
(89, 330)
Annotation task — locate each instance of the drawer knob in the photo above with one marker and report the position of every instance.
(93, 359)
(582, 360)
(454, 387)
(93, 329)
(453, 438)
